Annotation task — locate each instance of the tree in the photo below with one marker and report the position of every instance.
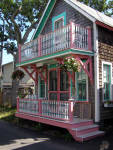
(104, 6)
(19, 17)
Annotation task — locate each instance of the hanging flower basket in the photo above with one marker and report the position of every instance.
(18, 75)
(70, 64)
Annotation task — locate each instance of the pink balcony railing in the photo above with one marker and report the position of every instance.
(52, 109)
(72, 36)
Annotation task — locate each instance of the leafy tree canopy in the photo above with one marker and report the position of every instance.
(18, 19)
(104, 6)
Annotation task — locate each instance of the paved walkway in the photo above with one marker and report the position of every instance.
(15, 138)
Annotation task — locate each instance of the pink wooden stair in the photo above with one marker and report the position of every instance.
(85, 130)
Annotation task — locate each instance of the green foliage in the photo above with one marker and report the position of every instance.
(104, 6)
(18, 19)
(70, 64)
(18, 75)
(7, 112)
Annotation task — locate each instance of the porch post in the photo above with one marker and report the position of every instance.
(36, 85)
(70, 110)
(72, 33)
(40, 107)
(89, 38)
(58, 86)
(96, 71)
(17, 104)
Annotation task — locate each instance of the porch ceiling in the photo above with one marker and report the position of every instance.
(44, 59)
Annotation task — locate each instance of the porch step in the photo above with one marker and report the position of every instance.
(89, 136)
(85, 132)
(85, 129)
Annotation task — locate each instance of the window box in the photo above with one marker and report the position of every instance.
(108, 104)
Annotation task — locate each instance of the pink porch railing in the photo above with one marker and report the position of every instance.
(52, 109)
(71, 36)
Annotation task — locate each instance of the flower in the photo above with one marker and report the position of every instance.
(71, 64)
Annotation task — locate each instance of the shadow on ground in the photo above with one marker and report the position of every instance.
(16, 138)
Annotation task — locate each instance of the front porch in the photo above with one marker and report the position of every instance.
(63, 97)
(58, 114)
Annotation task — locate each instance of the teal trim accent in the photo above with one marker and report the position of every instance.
(55, 54)
(42, 88)
(58, 17)
(52, 66)
(44, 19)
(77, 86)
(108, 72)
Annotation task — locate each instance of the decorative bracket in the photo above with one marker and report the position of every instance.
(30, 73)
(87, 65)
(36, 71)
(44, 77)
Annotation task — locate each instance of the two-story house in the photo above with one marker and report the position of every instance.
(68, 99)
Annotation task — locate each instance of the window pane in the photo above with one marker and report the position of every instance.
(53, 80)
(81, 85)
(59, 23)
(83, 91)
(80, 90)
(63, 81)
(106, 81)
(64, 96)
(53, 96)
(42, 88)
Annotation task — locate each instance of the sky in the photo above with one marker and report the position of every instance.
(6, 58)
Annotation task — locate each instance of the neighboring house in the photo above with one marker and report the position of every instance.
(70, 100)
(6, 83)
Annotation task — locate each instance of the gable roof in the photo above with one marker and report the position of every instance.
(44, 18)
(94, 13)
(90, 13)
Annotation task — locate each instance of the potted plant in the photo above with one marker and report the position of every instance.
(18, 75)
(70, 64)
(108, 104)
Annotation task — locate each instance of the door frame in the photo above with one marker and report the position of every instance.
(58, 84)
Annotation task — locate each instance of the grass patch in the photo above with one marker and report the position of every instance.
(7, 113)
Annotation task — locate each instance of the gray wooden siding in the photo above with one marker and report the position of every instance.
(71, 14)
(105, 54)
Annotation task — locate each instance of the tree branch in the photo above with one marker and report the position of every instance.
(33, 26)
(16, 27)
(17, 30)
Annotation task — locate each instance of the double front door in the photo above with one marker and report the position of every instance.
(58, 85)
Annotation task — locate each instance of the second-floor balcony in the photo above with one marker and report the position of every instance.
(72, 36)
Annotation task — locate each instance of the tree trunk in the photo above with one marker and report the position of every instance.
(15, 85)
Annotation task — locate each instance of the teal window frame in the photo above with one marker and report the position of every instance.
(54, 19)
(77, 86)
(40, 87)
(108, 76)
